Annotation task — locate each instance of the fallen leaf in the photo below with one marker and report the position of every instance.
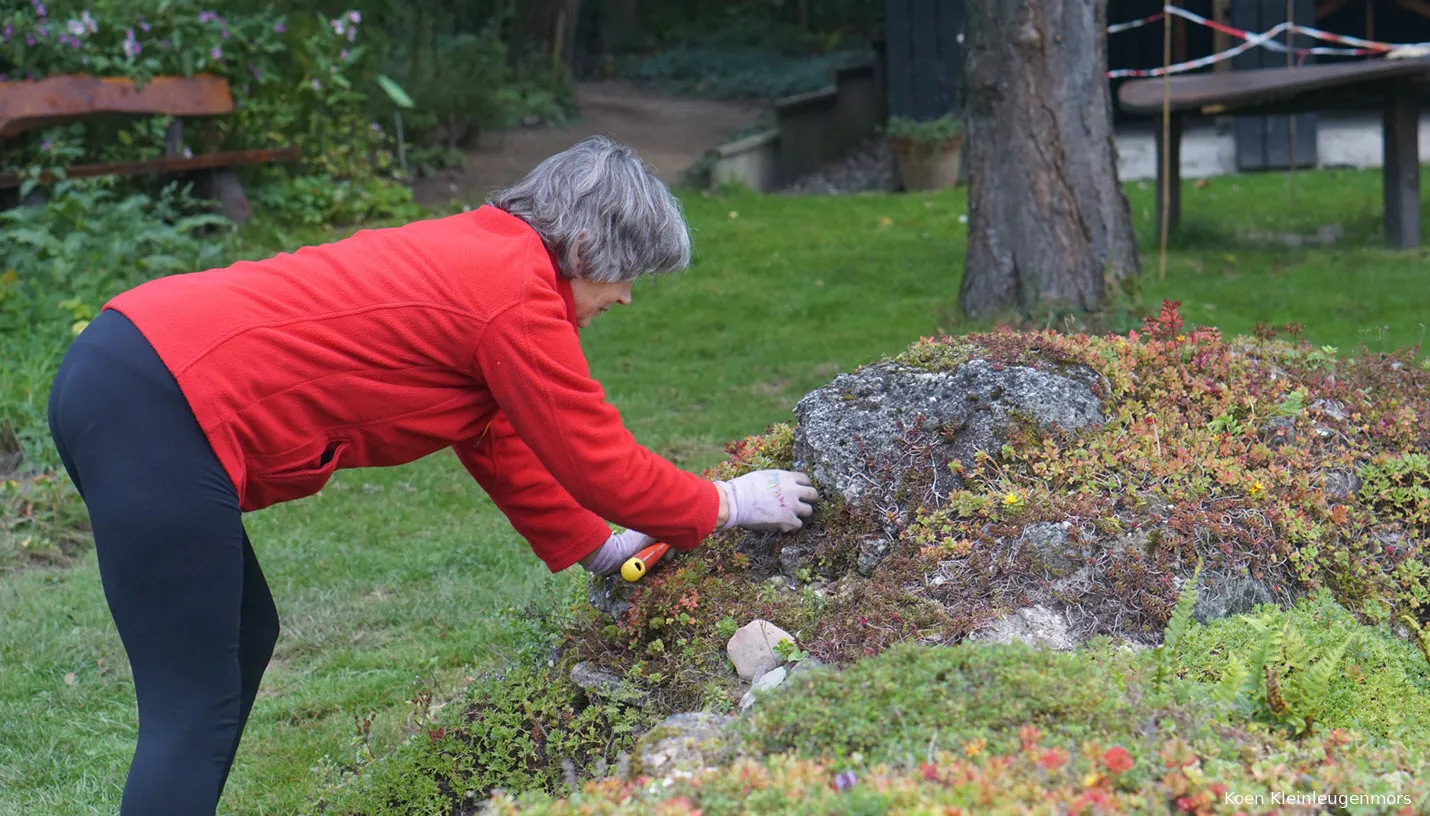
(886, 220)
(1202, 183)
(69, 679)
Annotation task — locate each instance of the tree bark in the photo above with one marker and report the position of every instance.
(1049, 229)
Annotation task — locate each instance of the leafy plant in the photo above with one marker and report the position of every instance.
(1293, 404)
(317, 200)
(789, 652)
(1399, 486)
(907, 129)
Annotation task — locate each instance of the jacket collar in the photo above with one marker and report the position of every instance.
(563, 286)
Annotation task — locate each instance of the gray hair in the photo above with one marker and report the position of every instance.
(601, 212)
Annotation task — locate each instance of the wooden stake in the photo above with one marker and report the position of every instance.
(1166, 138)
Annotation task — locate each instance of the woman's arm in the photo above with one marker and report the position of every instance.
(530, 359)
(560, 531)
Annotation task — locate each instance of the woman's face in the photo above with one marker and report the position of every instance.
(593, 298)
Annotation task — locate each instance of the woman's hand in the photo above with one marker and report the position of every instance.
(615, 551)
(771, 500)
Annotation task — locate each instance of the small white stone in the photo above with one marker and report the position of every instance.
(752, 648)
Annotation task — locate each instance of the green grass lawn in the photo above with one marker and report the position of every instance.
(392, 580)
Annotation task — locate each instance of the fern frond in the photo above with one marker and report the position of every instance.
(1314, 684)
(1296, 651)
(1232, 680)
(1177, 626)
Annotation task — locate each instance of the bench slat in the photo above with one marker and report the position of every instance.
(173, 164)
(31, 104)
(1262, 87)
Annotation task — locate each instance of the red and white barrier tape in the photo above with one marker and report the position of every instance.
(1118, 28)
(1252, 41)
(1265, 40)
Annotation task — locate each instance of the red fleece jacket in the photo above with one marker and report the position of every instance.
(392, 344)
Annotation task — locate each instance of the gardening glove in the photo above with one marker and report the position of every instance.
(615, 551)
(769, 500)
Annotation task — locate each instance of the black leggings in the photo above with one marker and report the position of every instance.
(191, 606)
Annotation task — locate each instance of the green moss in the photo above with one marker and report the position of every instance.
(511, 731)
(1004, 728)
(891, 707)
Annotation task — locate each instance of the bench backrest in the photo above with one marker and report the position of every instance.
(61, 99)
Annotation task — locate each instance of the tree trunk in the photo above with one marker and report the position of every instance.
(1049, 229)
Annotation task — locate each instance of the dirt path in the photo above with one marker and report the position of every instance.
(668, 132)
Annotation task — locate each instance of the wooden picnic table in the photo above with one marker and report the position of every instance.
(1395, 85)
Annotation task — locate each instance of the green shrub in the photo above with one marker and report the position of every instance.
(738, 72)
(322, 201)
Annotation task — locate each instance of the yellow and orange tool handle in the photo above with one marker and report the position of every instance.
(639, 564)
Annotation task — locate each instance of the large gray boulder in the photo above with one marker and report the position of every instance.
(866, 432)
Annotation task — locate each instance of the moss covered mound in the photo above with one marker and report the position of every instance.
(1228, 478)
(1280, 468)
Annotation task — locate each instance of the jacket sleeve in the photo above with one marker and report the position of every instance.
(530, 358)
(560, 531)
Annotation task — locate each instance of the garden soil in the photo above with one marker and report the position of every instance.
(668, 132)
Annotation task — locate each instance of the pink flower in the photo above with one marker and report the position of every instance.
(75, 27)
(279, 27)
(339, 26)
(317, 86)
(352, 34)
(355, 16)
(343, 55)
(216, 53)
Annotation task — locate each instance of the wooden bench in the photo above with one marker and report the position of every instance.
(1394, 85)
(56, 100)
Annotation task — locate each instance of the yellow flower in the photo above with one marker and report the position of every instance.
(1256, 489)
(1181, 338)
(1090, 780)
(973, 748)
(1012, 498)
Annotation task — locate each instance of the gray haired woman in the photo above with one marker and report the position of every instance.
(195, 398)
